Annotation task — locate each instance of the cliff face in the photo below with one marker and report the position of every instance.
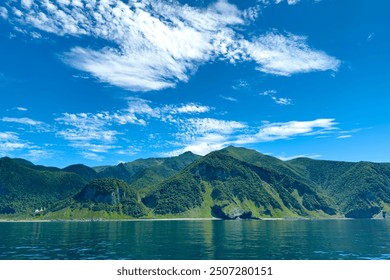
(114, 197)
(110, 195)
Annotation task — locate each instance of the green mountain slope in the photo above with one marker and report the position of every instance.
(361, 189)
(26, 187)
(255, 158)
(101, 198)
(230, 183)
(146, 173)
(83, 171)
(236, 189)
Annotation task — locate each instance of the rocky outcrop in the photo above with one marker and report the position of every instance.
(114, 197)
(230, 212)
(363, 213)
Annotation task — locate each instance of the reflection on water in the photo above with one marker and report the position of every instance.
(210, 239)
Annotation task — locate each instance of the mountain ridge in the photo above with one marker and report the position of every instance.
(230, 183)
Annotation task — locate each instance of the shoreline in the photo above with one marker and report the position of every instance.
(169, 219)
(104, 220)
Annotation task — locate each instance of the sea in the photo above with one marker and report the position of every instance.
(337, 239)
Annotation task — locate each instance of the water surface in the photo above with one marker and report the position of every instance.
(197, 239)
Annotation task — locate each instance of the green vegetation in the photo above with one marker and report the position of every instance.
(25, 188)
(176, 195)
(360, 189)
(83, 171)
(147, 173)
(111, 196)
(230, 183)
(237, 189)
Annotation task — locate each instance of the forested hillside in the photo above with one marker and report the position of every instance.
(230, 183)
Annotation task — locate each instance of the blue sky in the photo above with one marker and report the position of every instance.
(103, 82)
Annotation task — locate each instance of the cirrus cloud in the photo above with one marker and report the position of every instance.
(275, 131)
(152, 45)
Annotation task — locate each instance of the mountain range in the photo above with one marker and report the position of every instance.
(230, 183)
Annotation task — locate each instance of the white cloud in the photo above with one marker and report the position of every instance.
(275, 131)
(203, 135)
(95, 148)
(344, 136)
(252, 13)
(80, 135)
(93, 134)
(86, 128)
(84, 121)
(92, 156)
(36, 35)
(21, 109)
(17, 12)
(152, 45)
(192, 108)
(282, 101)
(287, 55)
(207, 125)
(37, 155)
(229, 98)
(129, 151)
(202, 145)
(3, 13)
(268, 92)
(138, 107)
(27, 3)
(240, 84)
(129, 71)
(277, 100)
(9, 142)
(289, 2)
(26, 121)
(293, 2)
(64, 2)
(370, 36)
(33, 124)
(7, 136)
(89, 134)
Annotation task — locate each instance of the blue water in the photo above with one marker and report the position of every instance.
(211, 239)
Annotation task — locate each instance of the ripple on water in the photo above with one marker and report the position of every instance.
(198, 240)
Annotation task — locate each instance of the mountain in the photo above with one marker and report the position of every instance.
(25, 187)
(361, 189)
(255, 158)
(146, 173)
(230, 183)
(111, 195)
(107, 198)
(233, 188)
(85, 172)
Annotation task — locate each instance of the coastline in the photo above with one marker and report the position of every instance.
(167, 219)
(104, 220)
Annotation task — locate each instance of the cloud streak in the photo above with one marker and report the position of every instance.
(277, 100)
(153, 45)
(9, 142)
(287, 55)
(32, 124)
(202, 136)
(287, 130)
(94, 135)
(26, 121)
(3, 13)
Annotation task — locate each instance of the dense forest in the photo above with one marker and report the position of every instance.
(229, 184)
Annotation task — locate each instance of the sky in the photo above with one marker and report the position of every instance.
(102, 82)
